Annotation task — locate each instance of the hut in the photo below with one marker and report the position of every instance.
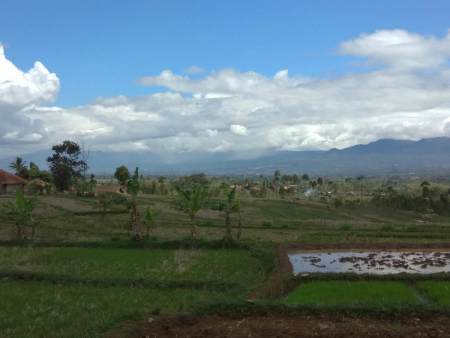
(10, 183)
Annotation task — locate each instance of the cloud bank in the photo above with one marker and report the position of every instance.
(404, 94)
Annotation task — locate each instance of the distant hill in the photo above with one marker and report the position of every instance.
(383, 157)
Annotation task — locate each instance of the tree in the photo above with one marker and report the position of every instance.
(133, 188)
(276, 176)
(19, 167)
(122, 175)
(191, 200)
(65, 164)
(230, 205)
(305, 177)
(34, 171)
(21, 211)
(149, 220)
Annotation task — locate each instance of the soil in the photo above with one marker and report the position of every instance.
(277, 326)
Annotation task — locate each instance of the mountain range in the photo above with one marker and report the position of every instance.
(383, 157)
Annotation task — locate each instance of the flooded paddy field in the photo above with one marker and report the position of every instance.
(370, 262)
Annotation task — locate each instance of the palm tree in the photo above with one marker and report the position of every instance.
(18, 165)
(191, 200)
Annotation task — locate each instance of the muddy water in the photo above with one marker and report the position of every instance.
(370, 262)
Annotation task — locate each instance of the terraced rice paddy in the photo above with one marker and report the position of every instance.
(370, 262)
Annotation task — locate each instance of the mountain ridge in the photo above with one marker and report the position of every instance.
(381, 157)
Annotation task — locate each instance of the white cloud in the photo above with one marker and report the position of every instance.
(18, 92)
(408, 96)
(237, 129)
(194, 70)
(400, 49)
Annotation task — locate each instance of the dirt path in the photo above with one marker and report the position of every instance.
(277, 326)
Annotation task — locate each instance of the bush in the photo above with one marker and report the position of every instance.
(338, 202)
(267, 224)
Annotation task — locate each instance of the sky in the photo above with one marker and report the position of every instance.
(229, 76)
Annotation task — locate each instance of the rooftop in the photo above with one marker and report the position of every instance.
(8, 178)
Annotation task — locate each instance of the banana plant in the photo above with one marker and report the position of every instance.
(21, 210)
(229, 205)
(191, 200)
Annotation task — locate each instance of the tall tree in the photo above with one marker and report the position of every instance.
(133, 188)
(230, 205)
(19, 167)
(34, 171)
(65, 164)
(122, 175)
(191, 200)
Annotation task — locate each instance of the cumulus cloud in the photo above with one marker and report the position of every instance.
(237, 129)
(18, 92)
(407, 96)
(400, 49)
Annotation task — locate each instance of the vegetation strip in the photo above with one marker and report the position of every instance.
(133, 283)
(126, 244)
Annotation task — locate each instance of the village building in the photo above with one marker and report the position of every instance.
(10, 183)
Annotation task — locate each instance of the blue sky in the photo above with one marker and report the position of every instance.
(277, 75)
(100, 48)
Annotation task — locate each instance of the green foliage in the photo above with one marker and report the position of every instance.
(267, 224)
(85, 187)
(133, 185)
(230, 204)
(437, 291)
(191, 200)
(429, 200)
(149, 219)
(338, 202)
(353, 294)
(122, 175)
(133, 188)
(37, 309)
(19, 167)
(65, 164)
(94, 289)
(20, 210)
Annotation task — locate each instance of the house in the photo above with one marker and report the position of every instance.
(10, 183)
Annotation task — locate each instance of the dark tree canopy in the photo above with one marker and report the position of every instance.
(19, 167)
(122, 174)
(65, 164)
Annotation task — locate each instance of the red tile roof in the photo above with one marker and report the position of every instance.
(7, 178)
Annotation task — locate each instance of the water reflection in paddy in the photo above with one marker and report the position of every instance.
(370, 262)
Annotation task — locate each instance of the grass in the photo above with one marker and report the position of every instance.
(239, 268)
(33, 309)
(436, 291)
(84, 275)
(81, 292)
(371, 294)
(62, 219)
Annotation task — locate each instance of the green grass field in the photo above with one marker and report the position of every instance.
(437, 291)
(83, 276)
(73, 292)
(368, 294)
(41, 309)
